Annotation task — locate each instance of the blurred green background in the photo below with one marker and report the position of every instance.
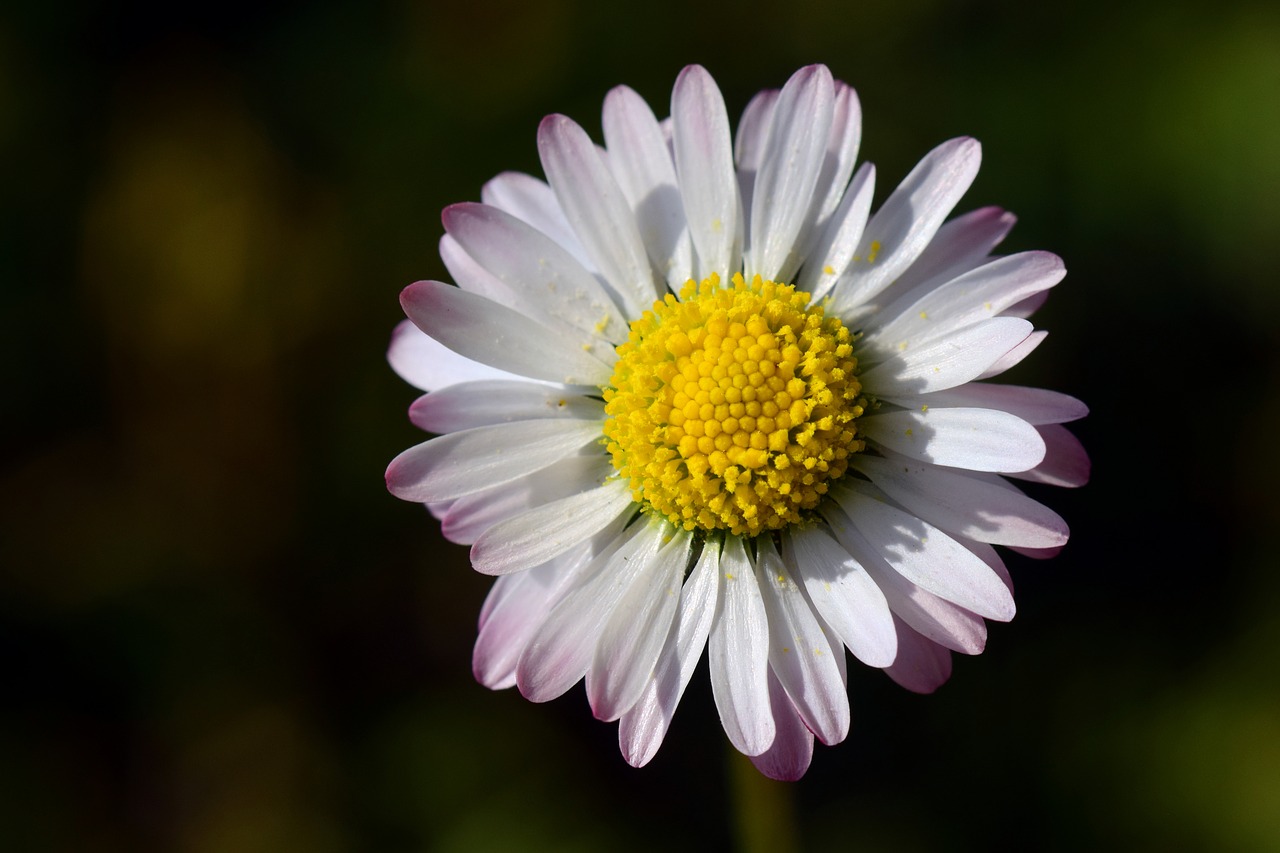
(218, 632)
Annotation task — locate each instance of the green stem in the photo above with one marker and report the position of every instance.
(763, 810)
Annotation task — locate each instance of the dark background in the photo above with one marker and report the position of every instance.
(218, 632)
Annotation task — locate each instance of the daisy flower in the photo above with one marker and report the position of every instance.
(689, 392)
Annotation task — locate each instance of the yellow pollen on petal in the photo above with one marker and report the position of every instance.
(733, 407)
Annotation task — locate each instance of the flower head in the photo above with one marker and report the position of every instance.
(689, 393)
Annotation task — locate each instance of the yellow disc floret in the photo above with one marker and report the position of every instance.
(733, 408)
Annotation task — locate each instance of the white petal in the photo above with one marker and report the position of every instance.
(560, 651)
(799, 653)
(519, 605)
(844, 595)
(642, 729)
(1015, 355)
(977, 439)
(749, 142)
(539, 270)
(500, 641)
(839, 239)
(439, 508)
(430, 365)
(966, 505)
(939, 620)
(976, 296)
(788, 757)
(792, 160)
(946, 361)
(1027, 307)
(922, 665)
(644, 169)
(494, 334)
(704, 166)
(536, 536)
(468, 274)
(1036, 406)
(462, 463)
(841, 155)
(906, 222)
(534, 202)
(944, 623)
(739, 654)
(598, 211)
(837, 646)
(495, 401)
(1039, 553)
(962, 244)
(470, 516)
(925, 555)
(989, 556)
(628, 652)
(1066, 462)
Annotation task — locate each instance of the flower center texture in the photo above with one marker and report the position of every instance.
(733, 408)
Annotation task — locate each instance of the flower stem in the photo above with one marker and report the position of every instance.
(763, 810)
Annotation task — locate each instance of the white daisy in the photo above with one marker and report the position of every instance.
(689, 393)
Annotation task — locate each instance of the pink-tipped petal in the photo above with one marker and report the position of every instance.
(628, 651)
(462, 463)
(962, 244)
(552, 528)
(1038, 553)
(1028, 306)
(642, 164)
(468, 517)
(1015, 355)
(533, 201)
(1036, 406)
(497, 401)
(557, 289)
(739, 649)
(844, 595)
(514, 609)
(939, 620)
(468, 274)
(749, 142)
(562, 648)
(945, 361)
(967, 505)
(965, 301)
(500, 337)
(595, 206)
(841, 156)
(989, 556)
(924, 555)
(704, 165)
(1066, 462)
(430, 365)
(922, 665)
(976, 439)
(642, 729)
(902, 228)
(839, 238)
(788, 757)
(799, 653)
(789, 169)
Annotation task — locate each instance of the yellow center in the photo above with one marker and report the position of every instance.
(732, 408)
